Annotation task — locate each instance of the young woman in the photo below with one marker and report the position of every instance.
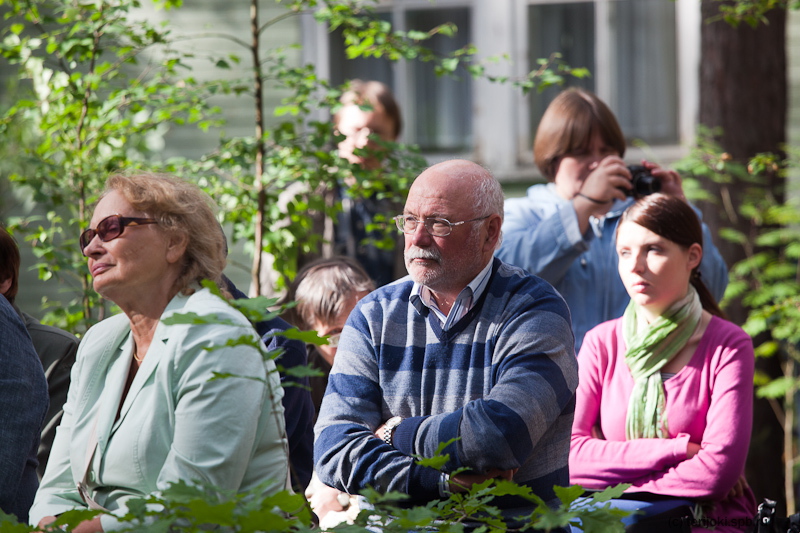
(665, 397)
(563, 231)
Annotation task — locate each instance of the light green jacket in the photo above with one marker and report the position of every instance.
(174, 423)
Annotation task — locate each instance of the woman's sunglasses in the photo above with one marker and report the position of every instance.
(112, 227)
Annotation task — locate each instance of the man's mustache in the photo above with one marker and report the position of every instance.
(422, 253)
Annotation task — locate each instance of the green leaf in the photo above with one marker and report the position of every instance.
(777, 388)
(567, 495)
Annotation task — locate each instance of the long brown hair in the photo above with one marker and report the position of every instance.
(673, 219)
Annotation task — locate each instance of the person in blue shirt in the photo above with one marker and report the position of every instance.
(23, 405)
(563, 231)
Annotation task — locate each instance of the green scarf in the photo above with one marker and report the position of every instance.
(650, 347)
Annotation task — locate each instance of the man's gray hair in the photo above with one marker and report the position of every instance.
(489, 198)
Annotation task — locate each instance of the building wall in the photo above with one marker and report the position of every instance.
(502, 133)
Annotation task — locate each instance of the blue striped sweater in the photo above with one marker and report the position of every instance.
(502, 379)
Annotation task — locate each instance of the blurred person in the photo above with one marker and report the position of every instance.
(55, 347)
(23, 406)
(326, 291)
(665, 400)
(467, 348)
(563, 231)
(368, 112)
(142, 411)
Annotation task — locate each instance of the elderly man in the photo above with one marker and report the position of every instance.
(467, 347)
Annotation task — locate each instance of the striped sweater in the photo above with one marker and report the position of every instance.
(502, 379)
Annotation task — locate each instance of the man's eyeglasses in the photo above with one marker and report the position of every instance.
(437, 227)
(112, 227)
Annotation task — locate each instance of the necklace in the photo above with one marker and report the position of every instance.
(135, 354)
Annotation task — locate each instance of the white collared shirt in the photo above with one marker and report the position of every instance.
(422, 295)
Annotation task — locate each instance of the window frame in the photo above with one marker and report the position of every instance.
(501, 131)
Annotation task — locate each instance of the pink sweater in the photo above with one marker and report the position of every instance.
(710, 402)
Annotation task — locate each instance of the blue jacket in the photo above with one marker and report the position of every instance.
(541, 235)
(175, 423)
(23, 405)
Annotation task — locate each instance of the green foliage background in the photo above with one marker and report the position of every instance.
(97, 86)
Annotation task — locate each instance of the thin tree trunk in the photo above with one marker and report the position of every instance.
(788, 440)
(259, 164)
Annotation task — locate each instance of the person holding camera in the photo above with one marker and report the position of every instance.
(563, 231)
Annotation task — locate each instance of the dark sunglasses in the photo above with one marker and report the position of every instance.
(112, 227)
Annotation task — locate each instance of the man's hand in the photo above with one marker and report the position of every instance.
(463, 482)
(608, 181)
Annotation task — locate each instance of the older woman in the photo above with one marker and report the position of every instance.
(141, 412)
(665, 399)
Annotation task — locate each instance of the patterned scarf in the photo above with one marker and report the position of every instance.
(650, 347)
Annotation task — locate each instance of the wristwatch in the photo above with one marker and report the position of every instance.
(388, 429)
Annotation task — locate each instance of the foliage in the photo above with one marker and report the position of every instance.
(751, 12)
(92, 103)
(767, 280)
(102, 87)
(189, 508)
(268, 184)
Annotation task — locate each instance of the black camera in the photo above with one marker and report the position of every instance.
(643, 181)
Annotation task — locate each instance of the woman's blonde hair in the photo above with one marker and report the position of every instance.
(183, 208)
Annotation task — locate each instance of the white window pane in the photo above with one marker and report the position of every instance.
(442, 109)
(568, 29)
(644, 84)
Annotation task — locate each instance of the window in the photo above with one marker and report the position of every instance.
(637, 78)
(437, 109)
(639, 67)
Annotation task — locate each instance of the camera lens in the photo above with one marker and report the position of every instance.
(643, 181)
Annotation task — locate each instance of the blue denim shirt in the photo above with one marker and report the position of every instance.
(541, 235)
(23, 405)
